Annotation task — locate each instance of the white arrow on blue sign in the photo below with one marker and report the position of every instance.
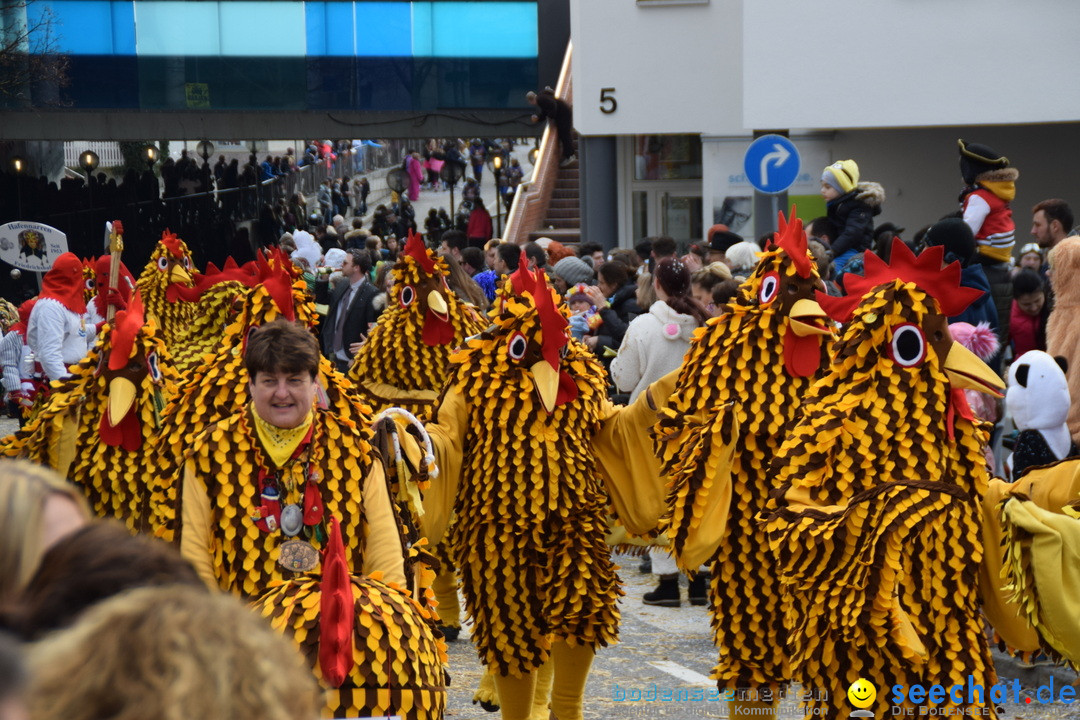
(771, 163)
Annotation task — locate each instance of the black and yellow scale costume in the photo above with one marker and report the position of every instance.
(67, 432)
(218, 386)
(398, 656)
(877, 526)
(406, 358)
(170, 265)
(736, 400)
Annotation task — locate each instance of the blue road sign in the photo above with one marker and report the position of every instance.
(771, 163)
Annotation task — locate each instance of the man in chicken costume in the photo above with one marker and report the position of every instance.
(263, 492)
(169, 269)
(877, 522)
(739, 391)
(527, 442)
(99, 425)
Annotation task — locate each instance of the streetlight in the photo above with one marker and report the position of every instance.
(19, 166)
(205, 149)
(150, 154)
(450, 174)
(496, 165)
(88, 161)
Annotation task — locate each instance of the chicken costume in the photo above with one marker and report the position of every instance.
(217, 387)
(218, 296)
(100, 424)
(406, 359)
(258, 505)
(739, 390)
(169, 269)
(877, 527)
(526, 440)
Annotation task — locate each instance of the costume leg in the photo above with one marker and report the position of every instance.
(445, 588)
(516, 695)
(542, 696)
(485, 693)
(572, 663)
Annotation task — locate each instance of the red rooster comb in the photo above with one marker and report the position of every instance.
(552, 322)
(415, 248)
(522, 280)
(792, 240)
(941, 283)
(126, 326)
(336, 612)
(172, 244)
(277, 281)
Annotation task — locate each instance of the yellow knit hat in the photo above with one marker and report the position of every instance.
(842, 175)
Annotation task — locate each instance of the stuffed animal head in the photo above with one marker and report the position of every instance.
(1038, 394)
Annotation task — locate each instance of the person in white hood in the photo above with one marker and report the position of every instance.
(656, 341)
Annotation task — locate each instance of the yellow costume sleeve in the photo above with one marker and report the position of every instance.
(1003, 614)
(382, 546)
(447, 433)
(1041, 529)
(625, 458)
(195, 526)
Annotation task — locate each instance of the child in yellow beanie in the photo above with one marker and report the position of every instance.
(851, 205)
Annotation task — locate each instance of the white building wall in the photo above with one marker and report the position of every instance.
(897, 63)
(674, 69)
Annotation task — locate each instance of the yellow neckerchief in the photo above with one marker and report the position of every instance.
(1004, 189)
(281, 443)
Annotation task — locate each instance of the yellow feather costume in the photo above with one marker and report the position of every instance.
(739, 390)
(877, 517)
(406, 358)
(525, 447)
(398, 657)
(126, 377)
(170, 268)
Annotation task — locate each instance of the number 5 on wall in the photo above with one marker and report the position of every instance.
(608, 103)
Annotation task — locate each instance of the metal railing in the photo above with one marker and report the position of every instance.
(534, 195)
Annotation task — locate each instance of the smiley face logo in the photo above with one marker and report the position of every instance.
(862, 693)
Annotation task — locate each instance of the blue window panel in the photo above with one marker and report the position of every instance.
(423, 30)
(82, 27)
(484, 29)
(315, 28)
(177, 28)
(383, 29)
(329, 29)
(252, 29)
(123, 26)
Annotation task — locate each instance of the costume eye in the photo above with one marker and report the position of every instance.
(90, 284)
(187, 263)
(770, 285)
(163, 263)
(908, 345)
(407, 295)
(517, 346)
(152, 367)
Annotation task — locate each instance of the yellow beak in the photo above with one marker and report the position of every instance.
(437, 302)
(179, 275)
(546, 379)
(966, 370)
(812, 320)
(121, 397)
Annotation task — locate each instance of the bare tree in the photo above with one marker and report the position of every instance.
(32, 70)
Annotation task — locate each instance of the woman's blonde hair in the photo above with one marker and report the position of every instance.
(24, 488)
(170, 653)
(710, 275)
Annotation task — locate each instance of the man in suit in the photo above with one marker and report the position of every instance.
(350, 312)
